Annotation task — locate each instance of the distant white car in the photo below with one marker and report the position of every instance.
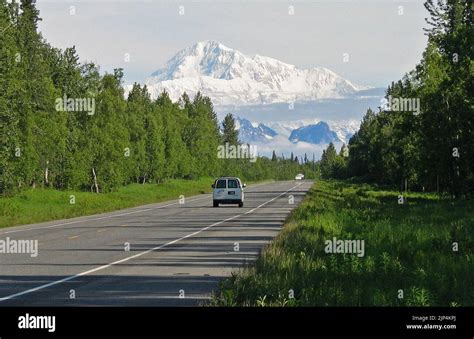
(299, 176)
(228, 190)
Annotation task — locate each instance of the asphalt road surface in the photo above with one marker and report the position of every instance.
(177, 252)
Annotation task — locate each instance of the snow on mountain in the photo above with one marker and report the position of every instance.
(230, 77)
(311, 131)
(345, 129)
(309, 136)
(319, 133)
(253, 132)
(260, 89)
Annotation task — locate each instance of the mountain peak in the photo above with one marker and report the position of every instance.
(211, 43)
(230, 77)
(319, 133)
(204, 58)
(205, 48)
(253, 132)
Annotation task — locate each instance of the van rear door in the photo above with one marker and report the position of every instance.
(234, 190)
(220, 191)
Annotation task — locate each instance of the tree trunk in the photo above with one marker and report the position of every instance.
(46, 174)
(437, 184)
(95, 181)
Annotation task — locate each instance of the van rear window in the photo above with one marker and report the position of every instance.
(220, 184)
(233, 184)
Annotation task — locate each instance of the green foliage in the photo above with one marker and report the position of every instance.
(9, 116)
(392, 147)
(44, 204)
(333, 165)
(121, 141)
(408, 248)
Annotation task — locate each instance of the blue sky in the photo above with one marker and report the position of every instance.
(382, 44)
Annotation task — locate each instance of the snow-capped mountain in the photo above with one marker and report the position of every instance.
(309, 136)
(319, 133)
(309, 131)
(252, 132)
(230, 77)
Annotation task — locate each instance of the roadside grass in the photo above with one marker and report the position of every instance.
(408, 249)
(37, 205)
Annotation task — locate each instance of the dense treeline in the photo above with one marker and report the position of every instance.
(66, 126)
(430, 146)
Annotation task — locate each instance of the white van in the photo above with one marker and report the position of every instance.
(228, 190)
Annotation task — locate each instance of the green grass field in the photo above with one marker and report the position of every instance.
(37, 205)
(409, 258)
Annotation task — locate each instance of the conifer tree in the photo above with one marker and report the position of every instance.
(230, 134)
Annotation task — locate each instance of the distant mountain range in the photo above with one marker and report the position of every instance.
(316, 133)
(277, 105)
(230, 77)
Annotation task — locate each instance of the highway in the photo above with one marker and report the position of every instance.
(166, 254)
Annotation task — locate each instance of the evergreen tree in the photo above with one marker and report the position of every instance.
(274, 156)
(328, 159)
(230, 134)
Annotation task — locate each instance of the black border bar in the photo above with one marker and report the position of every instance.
(239, 322)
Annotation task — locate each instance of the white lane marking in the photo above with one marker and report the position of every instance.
(99, 218)
(271, 200)
(57, 282)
